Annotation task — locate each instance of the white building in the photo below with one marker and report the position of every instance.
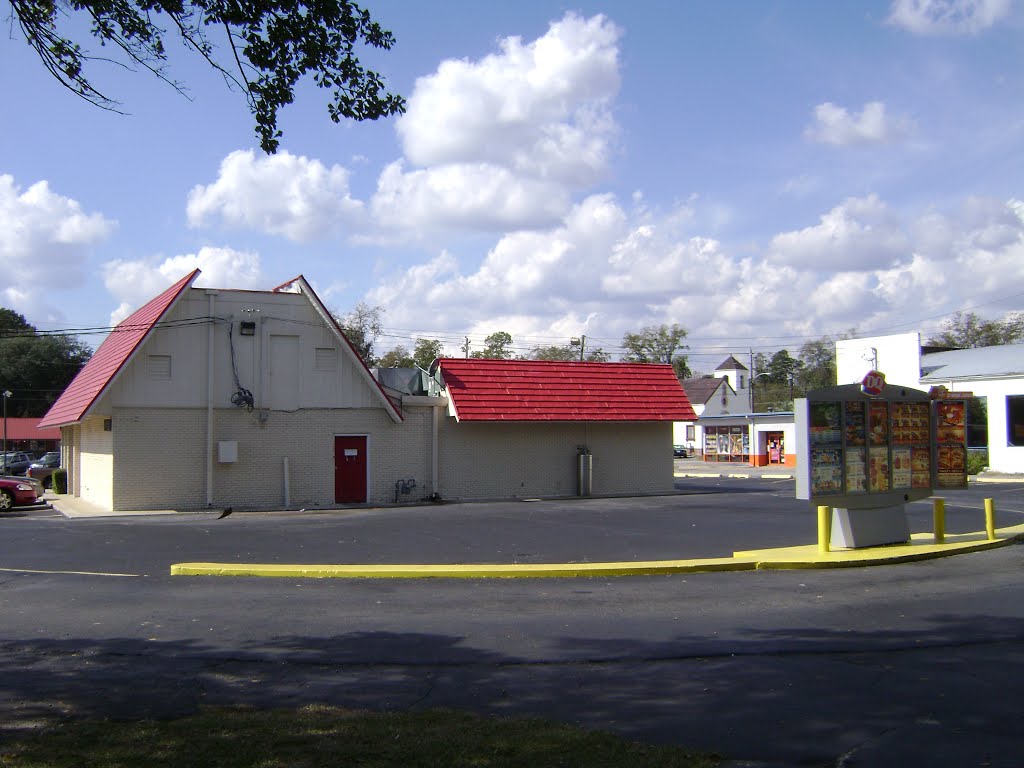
(726, 430)
(994, 374)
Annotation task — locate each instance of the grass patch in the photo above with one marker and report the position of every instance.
(315, 736)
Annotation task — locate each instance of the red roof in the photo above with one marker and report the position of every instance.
(541, 390)
(28, 429)
(72, 406)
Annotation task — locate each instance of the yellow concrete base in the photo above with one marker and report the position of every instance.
(920, 547)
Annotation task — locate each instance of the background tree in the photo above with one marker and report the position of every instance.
(398, 357)
(426, 352)
(36, 367)
(362, 326)
(967, 330)
(658, 344)
(775, 390)
(568, 352)
(817, 365)
(554, 352)
(496, 347)
(268, 46)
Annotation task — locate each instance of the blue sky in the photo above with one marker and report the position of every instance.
(762, 173)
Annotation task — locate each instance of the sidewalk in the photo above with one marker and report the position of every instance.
(736, 469)
(698, 468)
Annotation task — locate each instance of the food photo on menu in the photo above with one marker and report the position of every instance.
(878, 423)
(855, 423)
(950, 422)
(878, 469)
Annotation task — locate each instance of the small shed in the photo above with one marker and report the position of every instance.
(518, 428)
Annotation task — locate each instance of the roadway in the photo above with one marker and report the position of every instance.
(875, 666)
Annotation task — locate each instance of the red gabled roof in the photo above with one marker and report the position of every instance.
(114, 352)
(540, 390)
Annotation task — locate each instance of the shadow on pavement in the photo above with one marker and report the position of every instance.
(791, 696)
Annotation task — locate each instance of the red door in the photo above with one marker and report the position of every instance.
(350, 469)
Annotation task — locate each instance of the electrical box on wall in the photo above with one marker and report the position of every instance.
(227, 451)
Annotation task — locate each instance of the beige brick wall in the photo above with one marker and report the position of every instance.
(496, 460)
(162, 457)
(96, 464)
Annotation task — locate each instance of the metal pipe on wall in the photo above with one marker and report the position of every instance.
(209, 401)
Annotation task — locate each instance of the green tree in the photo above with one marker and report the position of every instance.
(261, 47)
(426, 352)
(658, 344)
(497, 347)
(568, 352)
(362, 326)
(398, 357)
(967, 330)
(817, 364)
(782, 367)
(554, 352)
(36, 367)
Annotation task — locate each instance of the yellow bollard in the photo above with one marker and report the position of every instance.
(939, 516)
(824, 528)
(990, 519)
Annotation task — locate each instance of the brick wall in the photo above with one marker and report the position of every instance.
(96, 465)
(161, 456)
(496, 460)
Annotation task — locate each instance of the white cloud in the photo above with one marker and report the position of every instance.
(540, 109)
(835, 125)
(45, 239)
(283, 194)
(859, 234)
(606, 271)
(947, 17)
(477, 196)
(136, 282)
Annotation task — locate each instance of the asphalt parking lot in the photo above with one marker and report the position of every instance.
(886, 666)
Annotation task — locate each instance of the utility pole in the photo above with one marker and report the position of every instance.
(465, 347)
(581, 342)
(751, 393)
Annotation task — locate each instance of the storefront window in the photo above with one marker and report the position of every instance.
(1015, 420)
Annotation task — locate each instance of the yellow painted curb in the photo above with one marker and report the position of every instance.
(467, 571)
(783, 558)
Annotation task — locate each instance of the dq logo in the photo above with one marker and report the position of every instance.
(873, 383)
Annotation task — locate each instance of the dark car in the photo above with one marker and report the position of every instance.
(42, 469)
(15, 463)
(17, 491)
(680, 451)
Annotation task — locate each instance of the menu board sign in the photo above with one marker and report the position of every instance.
(865, 451)
(951, 441)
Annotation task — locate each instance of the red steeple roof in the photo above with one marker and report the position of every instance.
(541, 390)
(114, 352)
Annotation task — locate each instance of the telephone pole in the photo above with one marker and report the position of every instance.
(581, 342)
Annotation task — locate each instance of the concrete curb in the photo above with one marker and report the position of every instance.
(920, 547)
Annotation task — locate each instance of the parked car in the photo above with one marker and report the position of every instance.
(680, 451)
(17, 491)
(15, 463)
(42, 469)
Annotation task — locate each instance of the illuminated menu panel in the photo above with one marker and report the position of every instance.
(869, 446)
(951, 441)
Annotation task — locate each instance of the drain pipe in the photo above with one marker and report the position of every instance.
(209, 401)
(434, 464)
